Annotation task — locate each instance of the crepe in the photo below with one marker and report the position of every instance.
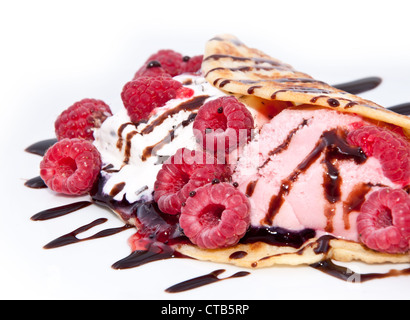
(259, 79)
(235, 68)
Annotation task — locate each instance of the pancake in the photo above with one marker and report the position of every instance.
(235, 68)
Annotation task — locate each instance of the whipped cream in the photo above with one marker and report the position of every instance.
(132, 154)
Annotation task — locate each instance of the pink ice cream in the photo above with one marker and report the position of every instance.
(296, 179)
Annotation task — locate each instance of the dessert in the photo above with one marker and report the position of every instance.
(235, 157)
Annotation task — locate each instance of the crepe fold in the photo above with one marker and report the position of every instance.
(235, 68)
(259, 79)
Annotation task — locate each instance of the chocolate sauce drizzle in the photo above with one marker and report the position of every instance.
(335, 147)
(204, 280)
(40, 148)
(35, 183)
(353, 87)
(327, 266)
(60, 211)
(360, 85)
(190, 105)
(403, 108)
(71, 237)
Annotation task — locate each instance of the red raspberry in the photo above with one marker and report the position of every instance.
(79, 120)
(151, 69)
(144, 94)
(169, 60)
(217, 216)
(223, 123)
(384, 221)
(390, 148)
(183, 173)
(71, 166)
(192, 64)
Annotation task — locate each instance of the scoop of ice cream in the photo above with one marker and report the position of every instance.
(299, 172)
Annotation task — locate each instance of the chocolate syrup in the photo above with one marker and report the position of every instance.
(278, 236)
(334, 144)
(190, 105)
(35, 183)
(203, 280)
(360, 85)
(345, 274)
(250, 188)
(301, 90)
(403, 108)
(117, 189)
(155, 251)
(256, 60)
(285, 144)
(354, 201)
(40, 148)
(238, 255)
(60, 211)
(71, 237)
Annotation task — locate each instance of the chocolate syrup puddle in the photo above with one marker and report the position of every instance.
(155, 251)
(35, 183)
(71, 237)
(278, 236)
(203, 280)
(40, 148)
(60, 211)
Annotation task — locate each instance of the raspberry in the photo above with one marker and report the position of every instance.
(217, 216)
(223, 124)
(151, 69)
(183, 173)
(71, 166)
(79, 120)
(390, 148)
(384, 221)
(170, 61)
(192, 64)
(144, 94)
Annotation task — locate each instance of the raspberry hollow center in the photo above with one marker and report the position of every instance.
(66, 167)
(210, 216)
(219, 122)
(384, 218)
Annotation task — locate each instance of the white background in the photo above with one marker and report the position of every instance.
(54, 53)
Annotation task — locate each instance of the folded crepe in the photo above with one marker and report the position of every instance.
(262, 81)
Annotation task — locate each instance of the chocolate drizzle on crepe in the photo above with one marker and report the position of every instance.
(236, 68)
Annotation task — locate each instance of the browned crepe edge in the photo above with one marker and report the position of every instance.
(233, 76)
